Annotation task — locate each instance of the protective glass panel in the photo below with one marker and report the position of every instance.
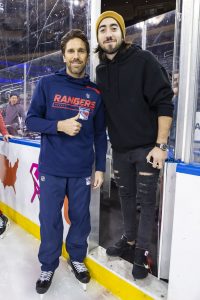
(134, 34)
(196, 143)
(160, 38)
(30, 37)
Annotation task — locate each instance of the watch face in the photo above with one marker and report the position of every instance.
(163, 147)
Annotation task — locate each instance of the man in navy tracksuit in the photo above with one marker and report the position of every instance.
(66, 108)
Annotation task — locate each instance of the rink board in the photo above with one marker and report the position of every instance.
(19, 199)
(19, 184)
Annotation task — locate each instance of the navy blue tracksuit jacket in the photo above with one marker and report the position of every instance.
(65, 162)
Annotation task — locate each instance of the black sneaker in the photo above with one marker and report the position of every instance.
(44, 282)
(80, 271)
(120, 247)
(141, 265)
(4, 224)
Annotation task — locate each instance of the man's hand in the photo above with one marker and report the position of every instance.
(70, 126)
(157, 157)
(6, 137)
(98, 179)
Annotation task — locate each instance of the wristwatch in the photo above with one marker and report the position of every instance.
(163, 147)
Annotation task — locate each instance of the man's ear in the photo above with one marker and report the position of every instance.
(64, 59)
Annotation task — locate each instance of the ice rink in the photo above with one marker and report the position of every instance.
(20, 269)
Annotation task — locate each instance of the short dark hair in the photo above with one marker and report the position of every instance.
(72, 34)
(14, 94)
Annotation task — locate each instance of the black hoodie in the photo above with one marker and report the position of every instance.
(135, 90)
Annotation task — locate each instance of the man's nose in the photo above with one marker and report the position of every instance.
(108, 34)
(76, 54)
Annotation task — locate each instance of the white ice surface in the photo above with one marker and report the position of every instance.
(19, 271)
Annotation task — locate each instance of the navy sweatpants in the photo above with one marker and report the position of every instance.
(52, 193)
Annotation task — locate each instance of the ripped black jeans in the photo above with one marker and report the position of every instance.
(137, 182)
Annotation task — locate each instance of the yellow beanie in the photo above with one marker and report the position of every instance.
(114, 15)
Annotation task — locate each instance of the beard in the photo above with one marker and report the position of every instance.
(110, 49)
(78, 70)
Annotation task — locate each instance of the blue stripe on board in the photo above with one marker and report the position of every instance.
(193, 169)
(24, 142)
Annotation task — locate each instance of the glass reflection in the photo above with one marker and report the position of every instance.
(196, 144)
(160, 38)
(134, 34)
(30, 37)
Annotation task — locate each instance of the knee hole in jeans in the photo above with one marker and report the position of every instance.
(145, 174)
(115, 175)
(147, 184)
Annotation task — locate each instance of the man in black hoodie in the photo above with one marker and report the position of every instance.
(137, 95)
